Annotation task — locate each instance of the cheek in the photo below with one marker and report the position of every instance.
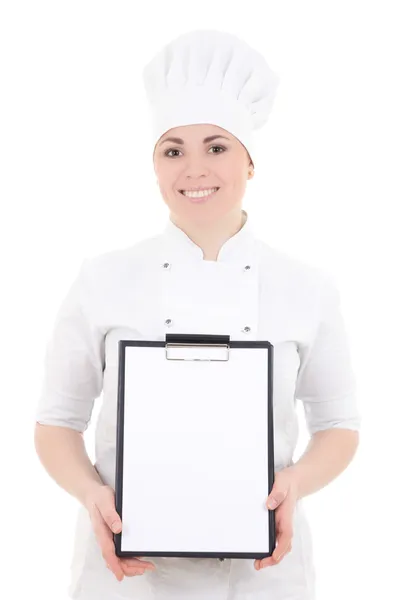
(166, 181)
(170, 195)
(238, 180)
(225, 168)
(231, 171)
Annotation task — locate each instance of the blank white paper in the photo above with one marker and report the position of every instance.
(195, 462)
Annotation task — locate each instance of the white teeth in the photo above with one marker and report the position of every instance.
(199, 193)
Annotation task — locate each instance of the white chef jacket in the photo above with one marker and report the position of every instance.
(163, 285)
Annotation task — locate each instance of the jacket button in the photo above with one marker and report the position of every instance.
(168, 322)
(166, 265)
(246, 329)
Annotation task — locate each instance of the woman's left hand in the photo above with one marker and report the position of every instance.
(285, 494)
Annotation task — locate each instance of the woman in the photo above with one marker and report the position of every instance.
(205, 272)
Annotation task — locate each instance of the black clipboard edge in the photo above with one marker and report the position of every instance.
(191, 338)
(119, 466)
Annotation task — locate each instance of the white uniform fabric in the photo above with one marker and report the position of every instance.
(209, 76)
(161, 285)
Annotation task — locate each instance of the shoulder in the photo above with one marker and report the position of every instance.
(299, 286)
(117, 263)
(291, 271)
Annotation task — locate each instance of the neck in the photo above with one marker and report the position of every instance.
(210, 237)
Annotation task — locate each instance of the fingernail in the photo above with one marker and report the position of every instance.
(115, 526)
(272, 503)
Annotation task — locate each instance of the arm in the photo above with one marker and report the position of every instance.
(62, 452)
(328, 453)
(73, 379)
(327, 387)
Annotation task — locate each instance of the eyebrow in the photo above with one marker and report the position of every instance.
(206, 140)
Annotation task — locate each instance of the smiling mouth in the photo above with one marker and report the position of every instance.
(213, 192)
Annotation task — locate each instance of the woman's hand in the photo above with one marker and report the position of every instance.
(100, 503)
(283, 498)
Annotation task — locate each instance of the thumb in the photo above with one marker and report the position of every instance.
(113, 520)
(109, 513)
(277, 496)
(116, 525)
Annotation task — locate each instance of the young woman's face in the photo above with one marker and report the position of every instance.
(192, 161)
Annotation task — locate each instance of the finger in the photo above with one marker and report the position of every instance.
(269, 561)
(135, 569)
(277, 495)
(265, 562)
(105, 540)
(283, 540)
(284, 524)
(113, 562)
(112, 519)
(275, 558)
(106, 507)
(281, 556)
(133, 566)
(132, 571)
(100, 527)
(142, 564)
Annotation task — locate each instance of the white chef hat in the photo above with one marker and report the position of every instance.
(210, 76)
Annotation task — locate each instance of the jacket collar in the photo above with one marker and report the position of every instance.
(237, 249)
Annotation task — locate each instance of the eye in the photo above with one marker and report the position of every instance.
(167, 152)
(171, 150)
(221, 147)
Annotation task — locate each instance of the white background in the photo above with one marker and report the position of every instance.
(77, 179)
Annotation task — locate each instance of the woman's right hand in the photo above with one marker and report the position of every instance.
(100, 503)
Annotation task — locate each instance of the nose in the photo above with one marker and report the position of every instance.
(195, 171)
(194, 175)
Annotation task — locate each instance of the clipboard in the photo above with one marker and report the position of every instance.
(195, 448)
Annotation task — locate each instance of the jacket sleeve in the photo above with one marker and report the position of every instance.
(326, 382)
(73, 361)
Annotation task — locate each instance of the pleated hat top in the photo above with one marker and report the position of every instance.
(214, 77)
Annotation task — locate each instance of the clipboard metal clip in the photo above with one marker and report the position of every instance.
(214, 352)
(197, 347)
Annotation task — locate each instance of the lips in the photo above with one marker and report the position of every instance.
(200, 199)
(200, 189)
